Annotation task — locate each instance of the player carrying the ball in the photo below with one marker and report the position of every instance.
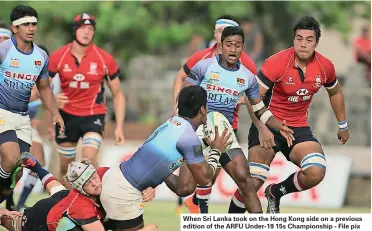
(225, 81)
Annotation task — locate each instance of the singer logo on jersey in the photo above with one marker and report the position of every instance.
(212, 87)
(15, 75)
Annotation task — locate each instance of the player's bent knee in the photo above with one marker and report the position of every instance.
(314, 165)
(259, 171)
(92, 139)
(68, 152)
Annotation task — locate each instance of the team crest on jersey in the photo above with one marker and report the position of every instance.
(318, 81)
(14, 63)
(240, 81)
(37, 63)
(93, 69)
(215, 76)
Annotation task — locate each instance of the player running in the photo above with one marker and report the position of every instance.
(83, 67)
(22, 64)
(172, 144)
(266, 138)
(77, 209)
(36, 149)
(288, 80)
(226, 80)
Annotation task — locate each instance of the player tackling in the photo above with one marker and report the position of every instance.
(172, 144)
(288, 81)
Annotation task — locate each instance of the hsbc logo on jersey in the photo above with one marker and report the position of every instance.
(78, 83)
(79, 77)
(212, 87)
(302, 91)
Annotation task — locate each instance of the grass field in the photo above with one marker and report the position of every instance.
(163, 213)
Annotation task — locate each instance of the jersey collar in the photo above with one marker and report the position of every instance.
(294, 57)
(89, 48)
(22, 52)
(218, 61)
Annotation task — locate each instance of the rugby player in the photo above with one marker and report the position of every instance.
(78, 209)
(22, 64)
(36, 149)
(288, 81)
(226, 80)
(5, 33)
(266, 137)
(83, 68)
(168, 147)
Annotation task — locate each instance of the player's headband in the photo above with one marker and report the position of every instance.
(26, 19)
(5, 33)
(225, 23)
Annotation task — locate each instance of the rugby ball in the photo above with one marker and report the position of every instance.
(217, 119)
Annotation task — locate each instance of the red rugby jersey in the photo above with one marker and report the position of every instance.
(208, 53)
(77, 207)
(289, 96)
(83, 83)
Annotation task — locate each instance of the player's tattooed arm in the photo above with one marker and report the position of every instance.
(182, 185)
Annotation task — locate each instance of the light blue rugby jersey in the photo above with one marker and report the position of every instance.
(18, 74)
(168, 147)
(224, 87)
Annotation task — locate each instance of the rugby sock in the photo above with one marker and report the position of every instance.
(10, 202)
(289, 185)
(42, 173)
(202, 194)
(3, 173)
(179, 201)
(195, 199)
(237, 203)
(30, 182)
(2, 198)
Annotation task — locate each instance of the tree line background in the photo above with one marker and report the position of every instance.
(128, 29)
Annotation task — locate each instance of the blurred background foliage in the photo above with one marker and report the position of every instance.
(130, 28)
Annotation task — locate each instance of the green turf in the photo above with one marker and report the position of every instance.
(163, 213)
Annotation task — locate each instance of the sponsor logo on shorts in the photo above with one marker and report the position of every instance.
(24, 220)
(98, 122)
(61, 135)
